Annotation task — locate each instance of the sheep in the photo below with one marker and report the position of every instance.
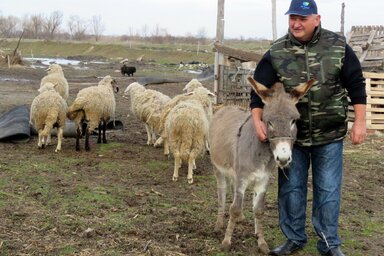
(56, 76)
(96, 105)
(129, 70)
(202, 94)
(186, 130)
(48, 110)
(147, 106)
(192, 85)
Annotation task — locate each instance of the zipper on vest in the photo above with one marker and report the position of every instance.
(309, 94)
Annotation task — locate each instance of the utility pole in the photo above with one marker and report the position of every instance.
(219, 57)
(342, 18)
(274, 30)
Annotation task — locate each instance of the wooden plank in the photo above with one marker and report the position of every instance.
(373, 75)
(237, 53)
(375, 101)
(373, 109)
(376, 127)
(366, 47)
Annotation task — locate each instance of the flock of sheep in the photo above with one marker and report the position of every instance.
(93, 107)
(179, 124)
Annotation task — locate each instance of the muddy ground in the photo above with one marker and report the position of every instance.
(118, 199)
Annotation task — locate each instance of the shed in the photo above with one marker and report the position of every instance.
(368, 44)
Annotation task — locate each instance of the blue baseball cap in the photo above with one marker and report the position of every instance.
(302, 7)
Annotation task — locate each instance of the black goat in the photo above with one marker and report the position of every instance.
(129, 70)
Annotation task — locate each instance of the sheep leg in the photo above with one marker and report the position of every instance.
(78, 134)
(258, 211)
(60, 132)
(191, 165)
(104, 132)
(40, 140)
(99, 134)
(149, 134)
(166, 147)
(176, 168)
(48, 142)
(235, 213)
(158, 142)
(87, 132)
(221, 197)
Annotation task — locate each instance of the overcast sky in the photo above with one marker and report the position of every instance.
(243, 18)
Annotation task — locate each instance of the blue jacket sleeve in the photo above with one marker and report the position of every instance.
(264, 74)
(352, 77)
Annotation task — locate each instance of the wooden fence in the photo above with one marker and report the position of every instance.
(375, 100)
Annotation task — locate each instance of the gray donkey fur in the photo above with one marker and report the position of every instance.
(239, 155)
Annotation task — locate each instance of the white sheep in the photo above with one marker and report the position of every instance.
(186, 130)
(202, 94)
(147, 106)
(48, 109)
(96, 105)
(56, 76)
(192, 85)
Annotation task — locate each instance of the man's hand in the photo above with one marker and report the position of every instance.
(359, 128)
(260, 126)
(358, 132)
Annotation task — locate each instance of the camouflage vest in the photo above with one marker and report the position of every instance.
(323, 111)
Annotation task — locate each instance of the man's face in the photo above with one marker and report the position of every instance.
(303, 27)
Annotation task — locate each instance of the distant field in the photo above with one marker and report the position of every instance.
(160, 53)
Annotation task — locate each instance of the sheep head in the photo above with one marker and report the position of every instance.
(109, 81)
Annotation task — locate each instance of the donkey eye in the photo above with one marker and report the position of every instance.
(293, 123)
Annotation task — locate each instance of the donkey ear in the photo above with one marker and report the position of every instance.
(261, 90)
(299, 91)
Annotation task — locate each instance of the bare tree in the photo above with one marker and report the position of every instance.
(53, 23)
(144, 31)
(202, 33)
(77, 27)
(33, 25)
(97, 27)
(8, 26)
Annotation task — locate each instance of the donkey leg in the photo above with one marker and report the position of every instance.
(235, 213)
(258, 211)
(221, 197)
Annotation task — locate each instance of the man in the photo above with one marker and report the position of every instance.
(309, 51)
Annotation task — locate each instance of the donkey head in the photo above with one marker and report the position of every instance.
(280, 115)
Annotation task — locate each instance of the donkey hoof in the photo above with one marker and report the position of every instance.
(226, 245)
(190, 181)
(264, 249)
(174, 178)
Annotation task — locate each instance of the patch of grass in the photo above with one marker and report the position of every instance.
(156, 165)
(105, 148)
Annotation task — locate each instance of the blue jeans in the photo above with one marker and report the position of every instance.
(327, 166)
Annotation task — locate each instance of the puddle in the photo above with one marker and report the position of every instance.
(10, 79)
(48, 61)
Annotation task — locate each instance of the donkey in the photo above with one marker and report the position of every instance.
(237, 153)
